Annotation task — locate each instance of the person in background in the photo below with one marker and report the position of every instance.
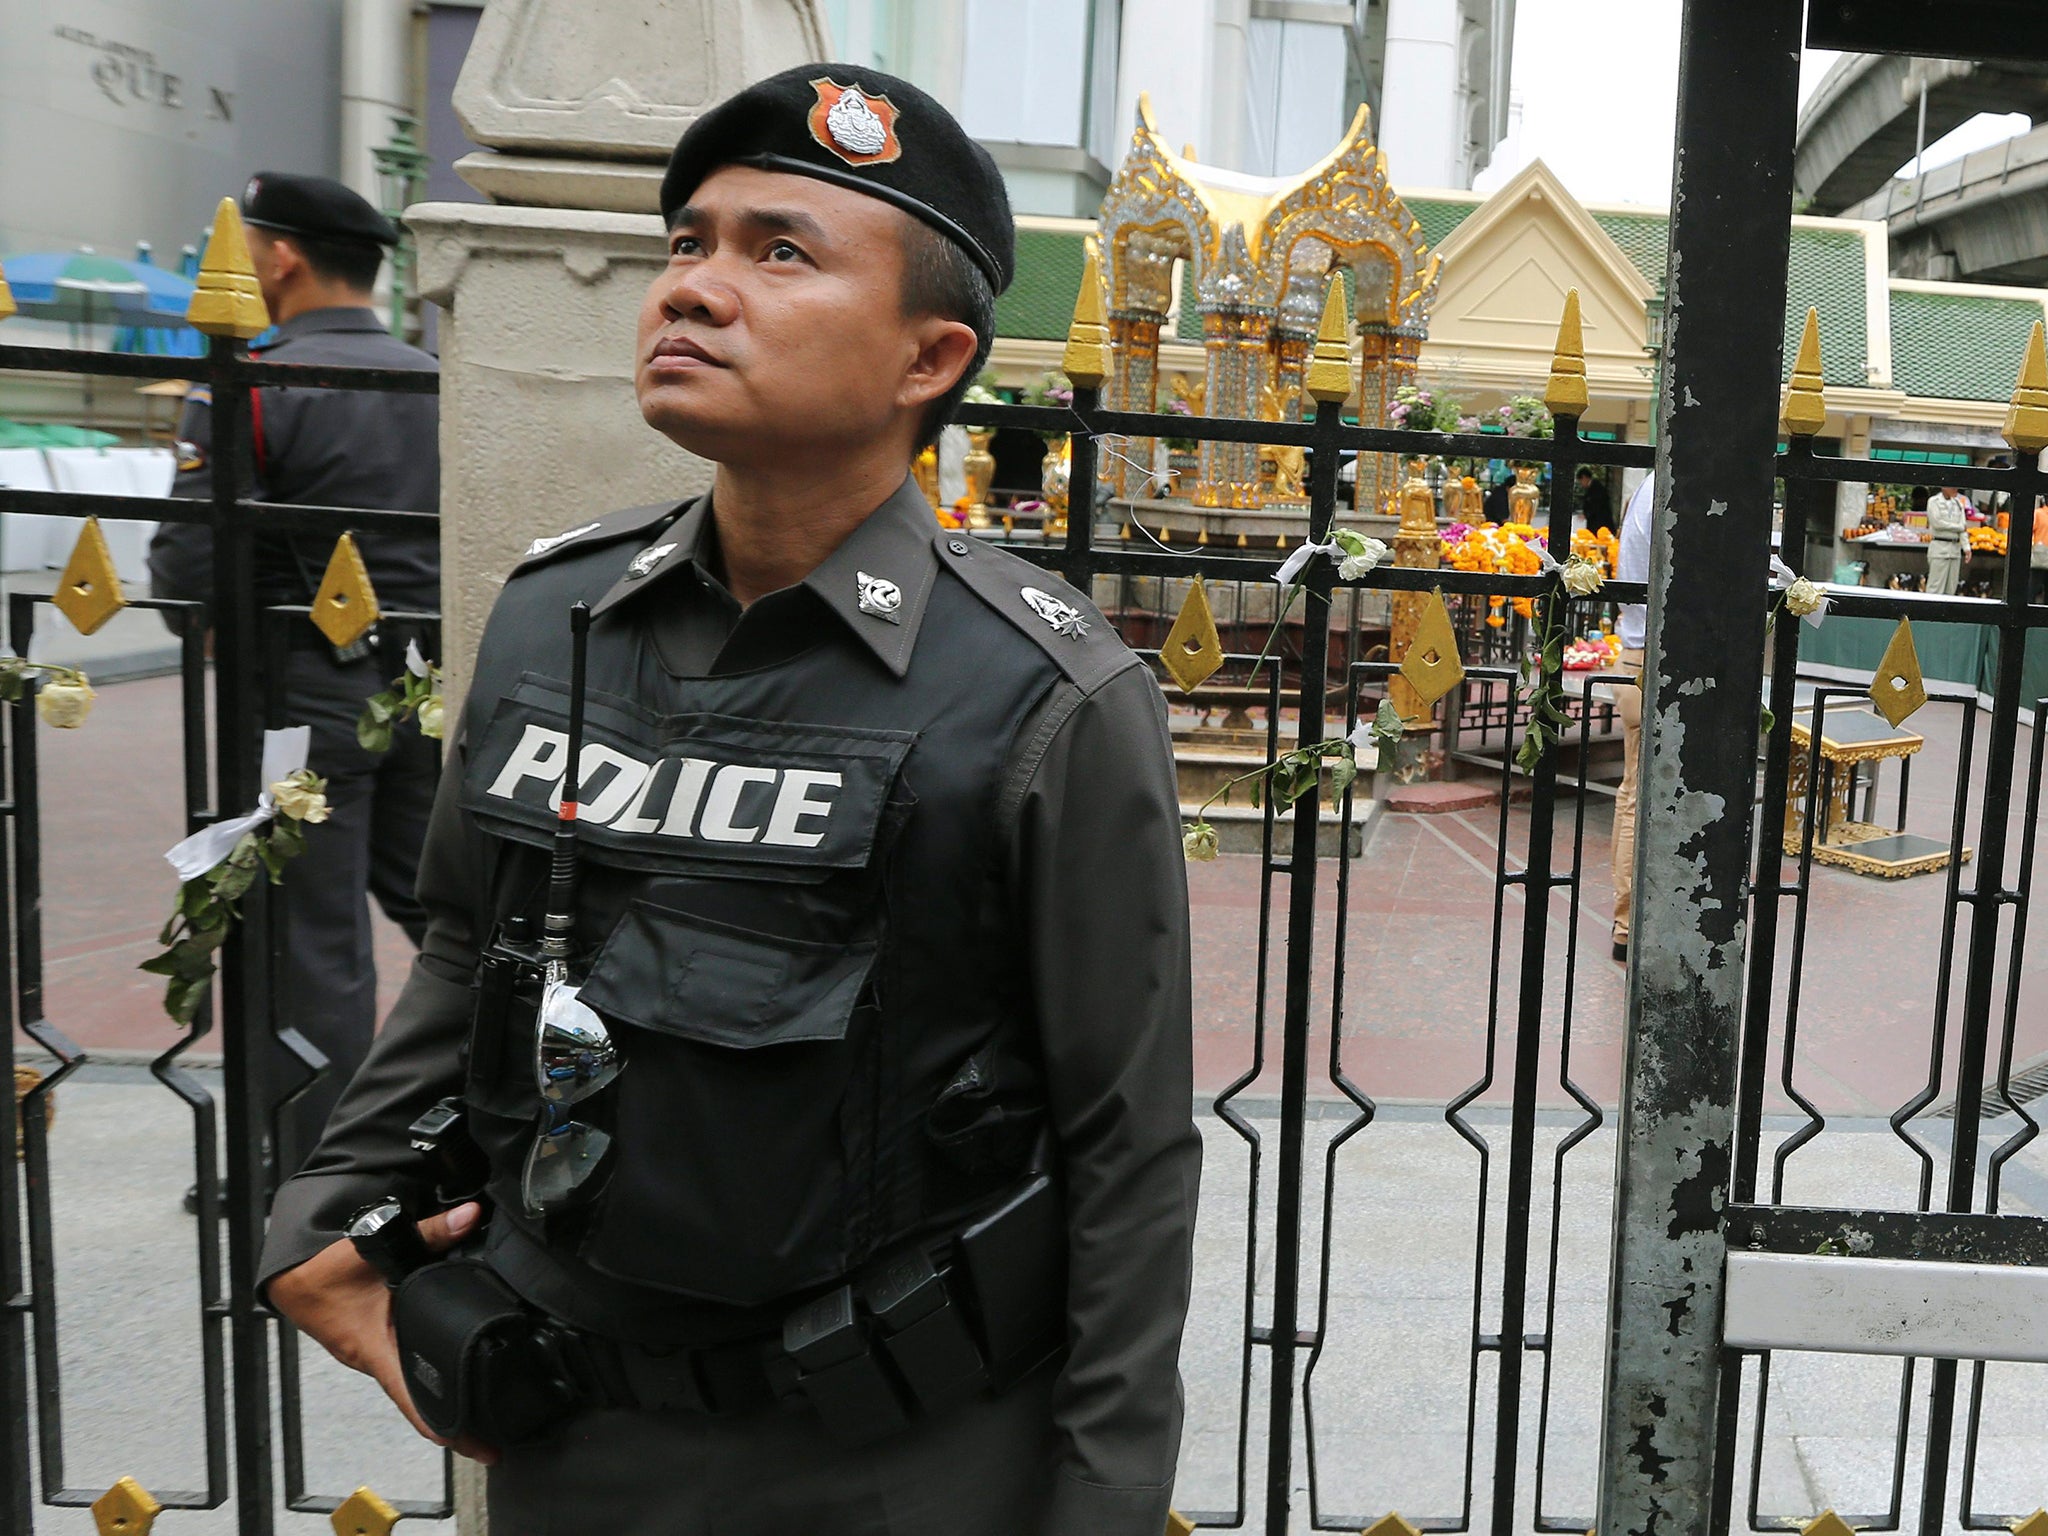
(1596, 506)
(1632, 626)
(316, 247)
(1948, 521)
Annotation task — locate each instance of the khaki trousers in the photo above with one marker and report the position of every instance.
(1628, 704)
(1944, 566)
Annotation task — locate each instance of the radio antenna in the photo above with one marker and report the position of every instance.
(559, 926)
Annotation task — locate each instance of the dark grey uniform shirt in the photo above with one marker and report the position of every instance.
(323, 448)
(1098, 883)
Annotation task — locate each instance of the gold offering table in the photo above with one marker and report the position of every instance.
(1853, 746)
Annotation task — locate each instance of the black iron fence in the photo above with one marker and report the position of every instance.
(1297, 1157)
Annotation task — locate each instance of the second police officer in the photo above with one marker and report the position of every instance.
(316, 247)
(855, 1190)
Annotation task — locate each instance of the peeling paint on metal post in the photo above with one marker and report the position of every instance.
(1703, 681)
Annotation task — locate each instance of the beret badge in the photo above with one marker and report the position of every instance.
(858, 128)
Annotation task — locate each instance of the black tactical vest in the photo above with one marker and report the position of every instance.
(794, 919)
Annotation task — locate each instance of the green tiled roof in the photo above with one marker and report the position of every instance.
(1039, 303)
(1959, 346)
(1828, 273)
(1439, 221)
(1644, 238)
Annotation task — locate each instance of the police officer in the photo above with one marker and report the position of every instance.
(316, 247)
(864, 1204)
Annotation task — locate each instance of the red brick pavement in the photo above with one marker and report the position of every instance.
(1418, 950)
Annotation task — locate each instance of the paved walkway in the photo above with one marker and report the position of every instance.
(1391, 1391)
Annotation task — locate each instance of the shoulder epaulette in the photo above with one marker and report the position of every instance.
(1062, 621)
(609, 529)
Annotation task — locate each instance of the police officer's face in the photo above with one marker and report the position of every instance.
(778, 323)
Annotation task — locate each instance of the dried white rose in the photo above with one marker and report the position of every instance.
(302, 796)
(1583, 577)
(432, 721)
(64, 702)
(1804, 597)
(1198, 842)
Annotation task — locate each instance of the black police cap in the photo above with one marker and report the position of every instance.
(314, 206)
(862, 129)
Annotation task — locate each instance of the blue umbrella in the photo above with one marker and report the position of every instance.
(86, 288)
(169, 289)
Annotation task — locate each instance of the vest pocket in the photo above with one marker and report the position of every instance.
(742, 1118)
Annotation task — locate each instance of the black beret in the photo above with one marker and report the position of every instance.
(862, 129)
(314, 206)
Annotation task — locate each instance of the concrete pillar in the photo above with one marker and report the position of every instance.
(376, 85)
(578, 103)
(1419, 128)
(1227, 74)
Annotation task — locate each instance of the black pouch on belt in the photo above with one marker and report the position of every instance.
(473, 1357)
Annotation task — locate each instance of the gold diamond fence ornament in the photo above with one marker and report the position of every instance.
(6, 298)
(346, 605)
(227, 300)
(1178, 1524)
(1086, 362)
(363, 1513)
(1193, 650)
(1898, 689)
(1390, 1524)
(126, 1509)
(1566, 394)
(1432, 666)
(1829, 1524)
(2035, 1524)
(1806, 404)
(89, 592)
(1329, 375)
(2026, 423)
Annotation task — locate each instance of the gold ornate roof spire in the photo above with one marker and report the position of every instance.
(227, 300)
(1566, 394)
(1329, 375)
(1806, 404)
(1086, 362)
(2026, 424)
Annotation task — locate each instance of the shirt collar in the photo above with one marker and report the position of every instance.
(345, 317)
(877, 581)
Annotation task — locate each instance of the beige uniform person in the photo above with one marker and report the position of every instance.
(1948, 521)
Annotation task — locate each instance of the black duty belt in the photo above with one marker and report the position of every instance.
(867, 1358)
(385, 635)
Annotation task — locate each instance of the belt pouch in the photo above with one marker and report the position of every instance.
(838, 1371)
(924, 1333)
(1015, 1263)
(472, 1358)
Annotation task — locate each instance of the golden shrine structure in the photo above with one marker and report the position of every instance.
(1260, 253)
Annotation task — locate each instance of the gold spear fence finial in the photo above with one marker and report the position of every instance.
(2026, 424)
(1806, 403)
(227, 300)
(363, 1513)
(1566, 394)
(1086, 361)
(1329, 366)
(126, 1509)
(346, 605)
